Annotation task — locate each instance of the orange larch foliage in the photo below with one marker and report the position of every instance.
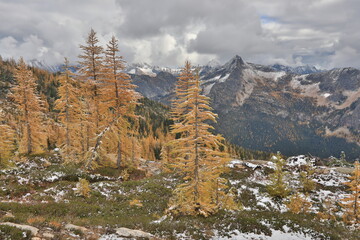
(70, 114)
(32, 134)
(7, 142)
(198, 156)
(117, 100)
(90, 74)
(351, 203)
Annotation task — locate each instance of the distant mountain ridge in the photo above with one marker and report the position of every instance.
(262, 108)
(306, 69)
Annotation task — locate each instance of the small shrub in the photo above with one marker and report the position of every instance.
(125, 175)
(135, 202)
(78, 232)
(38, 220)
(278, 188)
(83, 188)
(298, 204)
(306, 179)
(55, 225)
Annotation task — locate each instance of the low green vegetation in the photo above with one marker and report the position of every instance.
(141, 204)
(13, 233)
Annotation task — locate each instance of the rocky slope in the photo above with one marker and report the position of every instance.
(262, 108)
(40, 198)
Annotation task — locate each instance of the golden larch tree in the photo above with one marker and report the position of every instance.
(180, 103)
(32, 134)
(179, 107)
(118, 100)
(198, 157)
(90, 74)
(7, 141)
(351, 203)
(70, 113)
(119, 95)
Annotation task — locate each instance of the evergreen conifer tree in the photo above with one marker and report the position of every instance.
(7, 143)
(306, 179)
(70, 112)
(277, 187)
(32, 132)
(198, 155)
(351, 203)
(90, 74)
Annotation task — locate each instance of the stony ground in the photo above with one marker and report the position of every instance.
(39, 199)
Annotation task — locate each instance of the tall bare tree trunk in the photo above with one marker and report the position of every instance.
(118, 160)
(196, 169)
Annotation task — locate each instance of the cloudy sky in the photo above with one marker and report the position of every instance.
(324, 33)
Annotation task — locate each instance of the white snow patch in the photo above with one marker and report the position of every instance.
(331, 179)
(213, 79)
(270, 75)
(208, 88)
(275, 235)
(299, 161)
(54, 177)
(233, 162)
(250, 165)
(22, 180)
(112, 237)
(224, 78)
(146, 71)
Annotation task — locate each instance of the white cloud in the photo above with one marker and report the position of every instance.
(167, 32)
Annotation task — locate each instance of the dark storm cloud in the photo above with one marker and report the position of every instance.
(166, 32)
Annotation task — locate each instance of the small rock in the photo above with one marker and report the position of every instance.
(36, 238)
(48, 235)
(46, 163)
(70, 226)
(7, 215)
(126, 232)
(32, 229)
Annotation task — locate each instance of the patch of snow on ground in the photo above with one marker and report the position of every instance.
(275, 235)
(258, 177)
(22, 180)
(299, 161)
(112, 237)
(234, 162)
(250, 165)
(54, 177)
(104, 188)
(331, 179)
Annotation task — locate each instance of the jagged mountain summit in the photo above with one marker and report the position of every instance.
(43, 65)
(262, 108)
